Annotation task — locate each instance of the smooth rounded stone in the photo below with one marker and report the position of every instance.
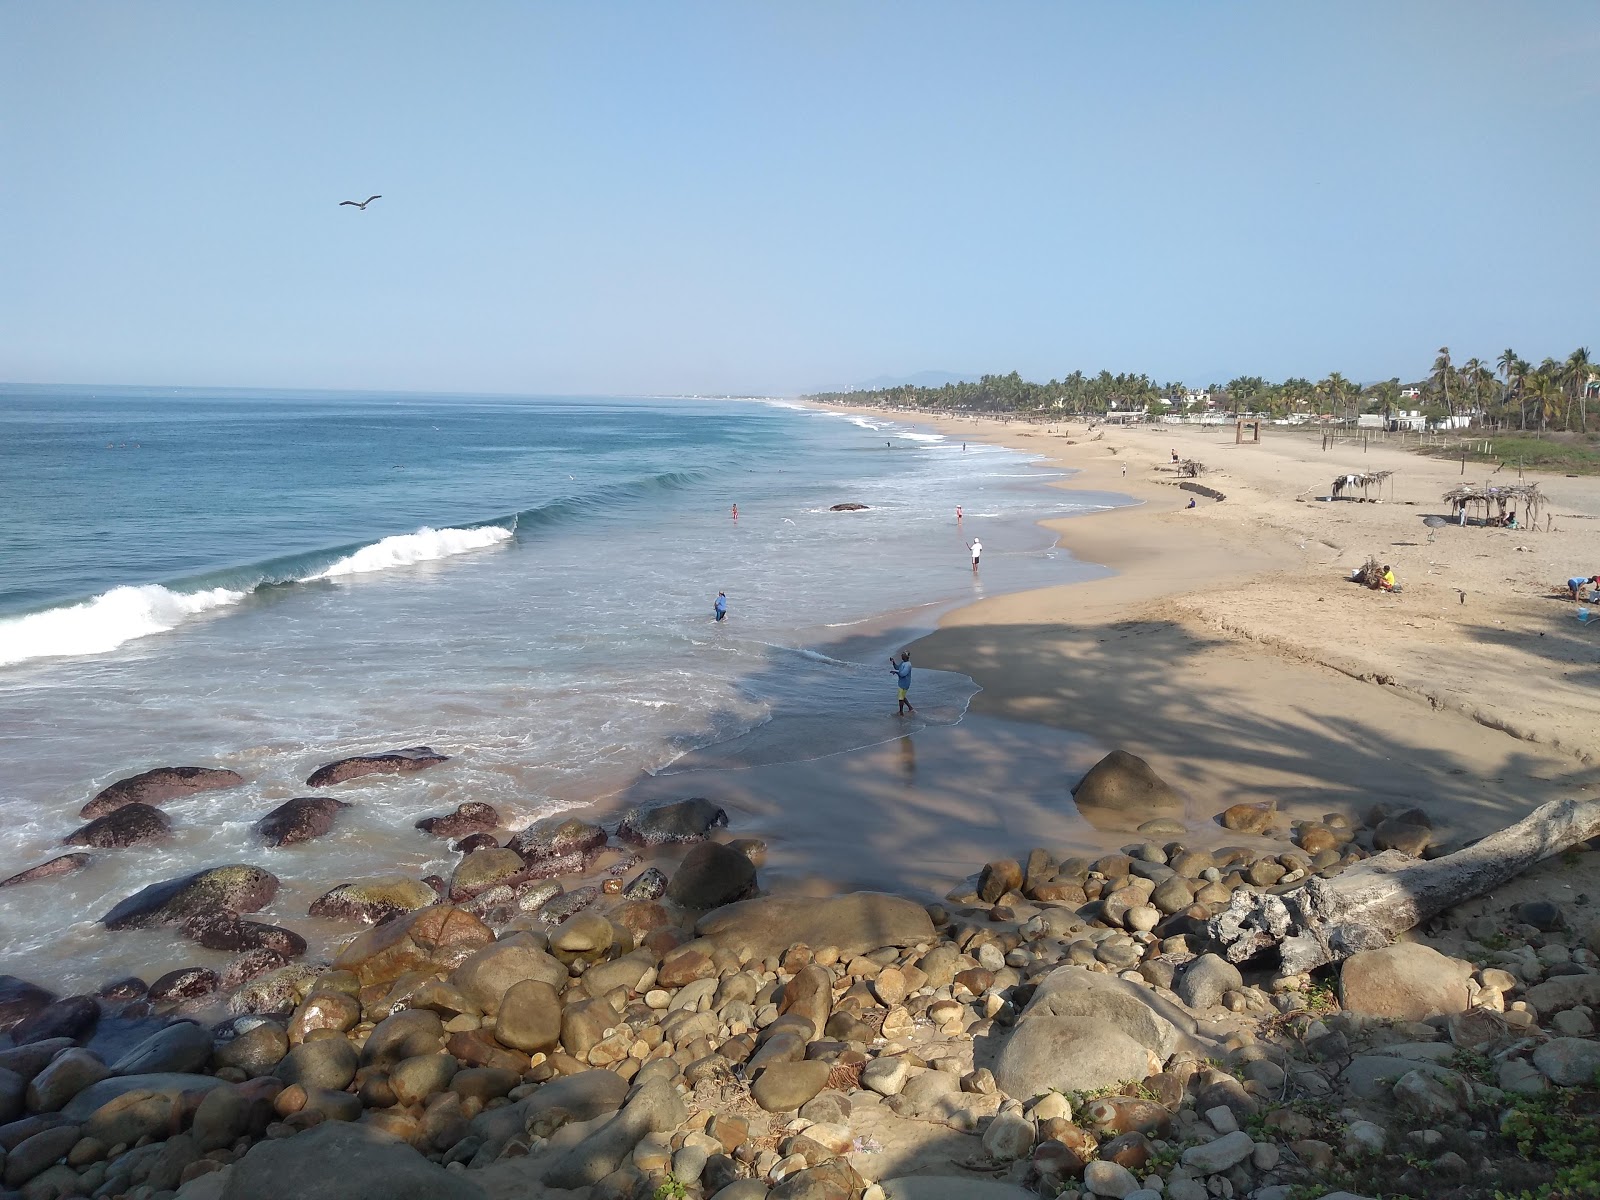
(299, 820)
(32, 1156)
(529, 1017)
(583, 934)
(1434, 1096)
(1248, 818)
(1264, 872)
(1142, 918)
(158, 786)
(673, 822)
(482, 870)
(1121, 788)
(1407, 981)
(441, 936)
(886, 1075)
(558, 838)
(236, 888)
(785, 1086)
(474, 841)
(27, 1061)
(488, 973)
(62, 864)
(228, 931)
(1364, 1138)
(654, 1107)
(1008, 1138)
(1568, 1061)
(564, 904)
(415, 1079)
(853, 924)
(1172, 895)
(1203, 982)
(469, 818)
(185, 983)
(999, 877)
(373, 900)
(123, 1108)
(1212, 1158)
(404, 1035)
(388, 762)
(1408, 837)
(19, 1000)
(183, 1047)
(1543, 915)
(710, 876)
(325, 1009)
(1103, 1178)
(339, 1160)
(66, 1075)
(325, 1063)
(634, 972)
(274, 990)
(1069, 1054)
(130, 825)
(71, 1017)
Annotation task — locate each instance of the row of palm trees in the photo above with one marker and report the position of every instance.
(1553, 395)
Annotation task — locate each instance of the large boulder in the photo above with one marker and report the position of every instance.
(654, 1108)
(159, 786)
(1121, 788)
(341, 1160)
(710, 876)
(129, 825)
(854, 923)
(389, 762)
(483, 869)
(567, 840)
(1069, 1054)
(63, 864)
(440, 937)
(489, 972)
(237, 888)
(1136, 1012)
(673, 822)
(226, 931)
(472, 816)
(299, 820)
(19, 1000)
(1404, 982)
(373, 900)
(71, 1017)
(183, 1047)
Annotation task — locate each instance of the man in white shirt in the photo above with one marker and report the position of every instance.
(976, 547)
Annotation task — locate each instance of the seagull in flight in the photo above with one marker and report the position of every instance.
(361, 204)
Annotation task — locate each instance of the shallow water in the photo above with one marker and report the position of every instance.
(269, 582)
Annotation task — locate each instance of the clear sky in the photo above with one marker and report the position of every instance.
(644, 197)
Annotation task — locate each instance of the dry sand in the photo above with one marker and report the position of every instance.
(1228, 649)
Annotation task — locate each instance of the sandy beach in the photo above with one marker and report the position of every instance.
(1230, 650)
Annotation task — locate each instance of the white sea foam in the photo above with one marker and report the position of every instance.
(105, 622)
(406, 549)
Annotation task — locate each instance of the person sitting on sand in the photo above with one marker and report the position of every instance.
(1191, 503)
(1387, 583)
(902, 670)
(1575, 586)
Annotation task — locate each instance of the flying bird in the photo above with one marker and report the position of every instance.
(361, 204)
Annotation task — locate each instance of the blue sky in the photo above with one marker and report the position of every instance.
(773, 197)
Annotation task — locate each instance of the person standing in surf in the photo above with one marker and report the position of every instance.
(721, 605)
(976, 546)
(902, 670)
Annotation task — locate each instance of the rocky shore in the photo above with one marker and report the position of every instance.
(660, 1028)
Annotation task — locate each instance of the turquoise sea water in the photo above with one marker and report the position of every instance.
(266, 581)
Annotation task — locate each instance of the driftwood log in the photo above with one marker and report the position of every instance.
(1367, 905)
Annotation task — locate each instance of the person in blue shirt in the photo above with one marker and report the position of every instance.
(902, 670)
(1575, 585)
(721, 606)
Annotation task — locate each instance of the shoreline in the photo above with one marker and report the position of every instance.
(1222, 650)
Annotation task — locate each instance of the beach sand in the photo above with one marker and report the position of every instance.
(1230, 650)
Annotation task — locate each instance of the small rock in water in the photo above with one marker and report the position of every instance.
(471, 817)
(65, 864)
(391, 762)
(159, 786)
(129, 825)
(373, 900)
(299, 820)
(673, 822)
(239, 888)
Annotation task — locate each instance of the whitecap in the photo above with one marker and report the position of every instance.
(407, 549)
(105, 622)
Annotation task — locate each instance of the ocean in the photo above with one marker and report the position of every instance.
(267, 581)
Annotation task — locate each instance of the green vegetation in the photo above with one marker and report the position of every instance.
(1558, 1128)
(670, 1188)
(1559, 454)
(1513, 394)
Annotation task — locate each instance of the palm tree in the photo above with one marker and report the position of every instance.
(1576, 372)
(1441, 377)
(1470, 372)
(1546, 394)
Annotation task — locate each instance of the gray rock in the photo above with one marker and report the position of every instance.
(1102, 1178)
(1069, 1054)
(485, 976)
(1123, 786)
(1568, 1061)
(159, 786)
(574, 1098)
(1404, 982)
(530, 1016)
(1137, 1011)
(82, 1106)
(34, 1154)
(1204, 981)
(404, 1035)
(237, 888)
(1432, 1096)
(182, 1048)
(936, 1187)
(710, 876)
(854, 923)
(328, 1062)
(338, 1160)
(1212, 1158)
(653, 1108)
(130, 825)
(785, 1086)
(68, 1074)
(299, 820)
(674, 822)
(389, 762)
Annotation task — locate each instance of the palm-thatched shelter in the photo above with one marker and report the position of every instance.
(1496, 504)
(1364, 480)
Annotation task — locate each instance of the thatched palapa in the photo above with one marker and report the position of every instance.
(1498, 502)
